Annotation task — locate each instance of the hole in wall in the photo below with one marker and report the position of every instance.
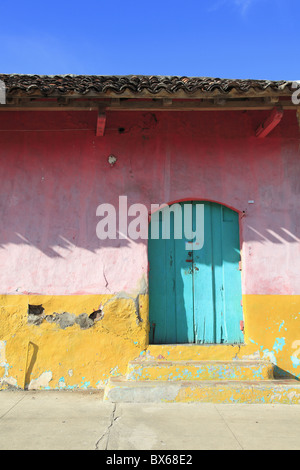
(35, 314)
(97, 315)
(35, 309)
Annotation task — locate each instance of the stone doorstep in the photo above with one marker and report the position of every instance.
(120, 390)
(145, 370)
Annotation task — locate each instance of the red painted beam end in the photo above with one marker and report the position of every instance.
(101, 122)
(270, 123)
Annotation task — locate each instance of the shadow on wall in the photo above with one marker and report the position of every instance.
(283, 374)
(32, 352)
(52, 234)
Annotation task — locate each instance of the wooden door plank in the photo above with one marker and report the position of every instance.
(232, 276)
(170, 330)
(203, 288)
(217, 274)
(157, 304)
(184, 287)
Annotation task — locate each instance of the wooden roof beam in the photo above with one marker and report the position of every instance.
(115, 104)
(101, 122)
(270, 123)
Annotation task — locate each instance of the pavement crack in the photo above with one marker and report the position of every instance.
(13, 406)
(229, 428)
(106, 434)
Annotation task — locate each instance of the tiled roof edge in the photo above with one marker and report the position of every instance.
(48, 85)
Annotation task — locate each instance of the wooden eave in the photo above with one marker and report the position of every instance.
(234, 101)
(115, 102)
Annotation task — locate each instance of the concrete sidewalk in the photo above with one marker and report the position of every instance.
(66, 420)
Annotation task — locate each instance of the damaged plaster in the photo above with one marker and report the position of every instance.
(142, 289)
(5, 381)
(134, 296)
(36, 316)
(41, 382)
(136, 300)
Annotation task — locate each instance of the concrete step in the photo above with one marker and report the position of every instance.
(144, 370)
(121, 390)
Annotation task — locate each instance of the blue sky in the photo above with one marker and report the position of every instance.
(256, 39)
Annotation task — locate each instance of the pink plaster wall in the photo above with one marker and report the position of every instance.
(53, 178)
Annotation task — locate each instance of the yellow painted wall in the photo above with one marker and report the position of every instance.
(47, 356)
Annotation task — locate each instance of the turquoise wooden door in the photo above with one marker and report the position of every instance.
(195, 295)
